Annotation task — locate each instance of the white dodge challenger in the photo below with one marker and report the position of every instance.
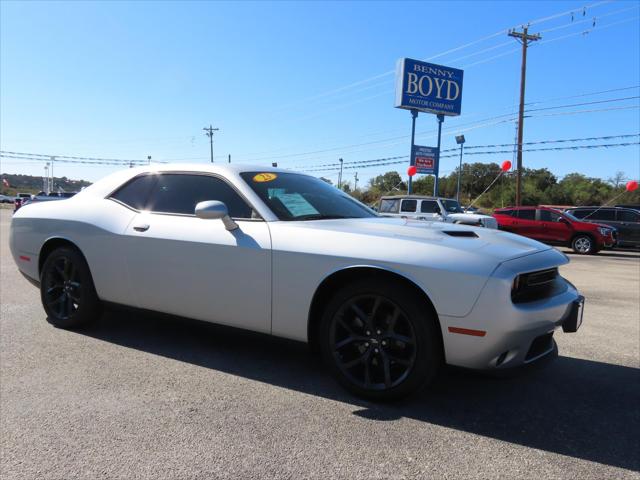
(387, 301)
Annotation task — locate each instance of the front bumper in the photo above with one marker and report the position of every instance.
(514, 333)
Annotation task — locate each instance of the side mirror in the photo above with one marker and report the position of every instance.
(213, 209)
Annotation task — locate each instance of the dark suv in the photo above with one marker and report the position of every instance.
(625, 220)
(552, 226)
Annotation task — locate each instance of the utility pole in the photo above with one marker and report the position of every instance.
(355, 184)
(45, 179)
(229, 158)
(460, 141)
(148, 159)
(53, 159)
(209, 133)
(524, 38)
(340, 175)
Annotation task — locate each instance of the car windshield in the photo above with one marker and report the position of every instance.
(292, 196)
(452, 206)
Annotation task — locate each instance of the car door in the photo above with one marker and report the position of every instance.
(527, 224)
(628, 224)
(554, 228)
(430, 211)
(408, 208)
(192, 267)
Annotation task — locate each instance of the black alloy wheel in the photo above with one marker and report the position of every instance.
(66, 289)
(380, 341)
(372, 342)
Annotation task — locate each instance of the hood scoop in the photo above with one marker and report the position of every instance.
(460, 233)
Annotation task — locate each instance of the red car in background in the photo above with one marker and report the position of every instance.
(555, 227)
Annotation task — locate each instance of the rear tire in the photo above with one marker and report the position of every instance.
(66, 289)
(380, 341)
(583, 245)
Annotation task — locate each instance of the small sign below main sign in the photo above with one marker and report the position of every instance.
(427, 87)
(425, 159)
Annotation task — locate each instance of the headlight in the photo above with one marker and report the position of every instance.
(604, 231)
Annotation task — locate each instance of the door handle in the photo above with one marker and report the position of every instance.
(141, 228)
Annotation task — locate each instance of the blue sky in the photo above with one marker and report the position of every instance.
(130, 79)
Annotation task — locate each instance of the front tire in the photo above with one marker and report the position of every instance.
(583, 245)
(66, 289)
(380, 340)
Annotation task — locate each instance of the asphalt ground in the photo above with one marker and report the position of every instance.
(144, 396)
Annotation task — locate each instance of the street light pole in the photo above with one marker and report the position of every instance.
(460, 141)
(340, 176)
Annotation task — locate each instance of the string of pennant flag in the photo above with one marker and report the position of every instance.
(403, 158)
(472, 147)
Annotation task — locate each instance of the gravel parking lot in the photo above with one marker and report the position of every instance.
(141, 396)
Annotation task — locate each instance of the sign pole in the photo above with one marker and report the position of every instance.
(412, 160)
(435, 183)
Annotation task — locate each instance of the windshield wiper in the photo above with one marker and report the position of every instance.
(319, 216)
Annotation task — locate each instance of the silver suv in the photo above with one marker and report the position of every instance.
(433, 209)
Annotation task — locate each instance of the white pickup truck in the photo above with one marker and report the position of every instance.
(432, 209)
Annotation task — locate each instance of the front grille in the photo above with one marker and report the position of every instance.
(539, 346)
(529, 287)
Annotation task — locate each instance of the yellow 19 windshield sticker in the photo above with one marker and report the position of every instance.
(264, 177)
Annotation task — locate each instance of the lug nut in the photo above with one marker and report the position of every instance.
(366, 345)
(378, 332)
(376, 350)
(384, 343)
(367, 332)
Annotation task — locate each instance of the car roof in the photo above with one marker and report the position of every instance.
(412, 197)
(599, 208)
(109, 183)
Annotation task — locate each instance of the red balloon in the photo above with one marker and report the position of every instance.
(506, 166)
(632, 185)
(412, 170)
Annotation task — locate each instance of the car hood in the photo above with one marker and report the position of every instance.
(601, 225)
(468, 217)
(488, 243)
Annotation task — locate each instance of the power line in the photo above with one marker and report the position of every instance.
(588, 20)
(66, 160)
(57, 157)
(376, 162)
(582, 104)
(457, 127)
(568, 12)
(392, 160)
(431, 58)
(402, 137)
(583, 95)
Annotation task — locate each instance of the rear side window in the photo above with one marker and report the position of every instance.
(389, 205)
(548, 216)
(509, 213)
(136, 192)
(180, 193)
(409, 205)
(606, 214)
(527, 214)
(429, 206)
(628, 216)
(581, 213)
